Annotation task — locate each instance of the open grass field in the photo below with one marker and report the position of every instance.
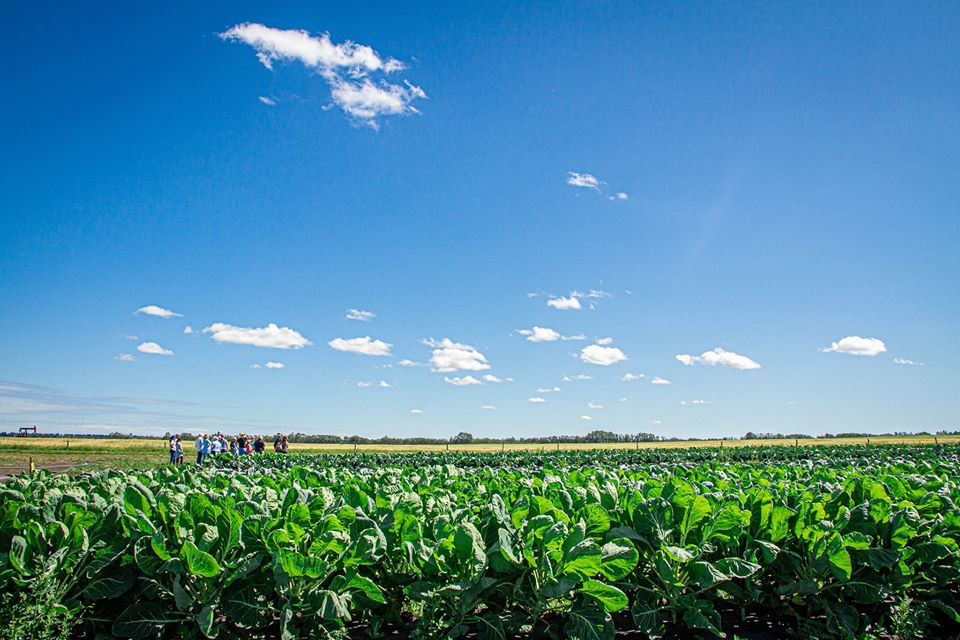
(61, 454)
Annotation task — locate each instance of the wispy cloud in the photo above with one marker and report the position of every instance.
(578, 376)
(659, 380)
(416, 412)
(488, 407)
(449, 356)
(587, 418)
(719, 358)
(125, 357)
(270, 336)
(604, 356)
(464, 381)
(857, 346)
(346, 67)
(489, 377)
(188, 330)
(583, 180)
(907, 362)
(366, 346)
(383, 384)
(406, 362)
(274, 365)
(363, 316)
(536, 400)
(594, 405)
(154, 349)
(270, 102)
(589, 181)
(160, 312)
(630, 377)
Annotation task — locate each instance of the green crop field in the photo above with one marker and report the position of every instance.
(837, 541)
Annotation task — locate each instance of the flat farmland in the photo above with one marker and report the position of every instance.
(64, 454)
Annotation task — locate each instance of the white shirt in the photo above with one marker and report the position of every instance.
(198, 445)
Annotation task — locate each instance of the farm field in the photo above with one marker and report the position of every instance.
(836, 541)
(61, 454)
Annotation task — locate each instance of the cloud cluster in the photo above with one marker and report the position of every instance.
(366, 346)
(544, 334)
(346, 67)
(590, 181)
(907, 362)
(630, 377)
(719, 358)
(270, 336)
(160, 312)
(451, 356)
(578, 376)
(857, 346)
(601, 355)
(464, 381)
(154, 349)
(125, 357)
(363, 316)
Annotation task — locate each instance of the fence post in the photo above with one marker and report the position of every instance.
(31, 466)
(354, 447)
(68, 444)
(936, 440)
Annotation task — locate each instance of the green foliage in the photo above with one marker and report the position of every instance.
(838, 541)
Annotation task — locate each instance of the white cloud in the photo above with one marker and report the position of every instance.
(461, 381)
(270, 102)
(719, 357)
(857, 346)
(536, 400)
(125, 357)
(604, 341)
(586, 418)
(495, 380)
(274, 365)
(630, 377)
(366, 346)
(539, 334)
(188, 330)
(596, 354)
(153, 348)
(564, 304)
(593, 405)
(659, 380)
(548, 390)
(623, 399)
(363, 384)
(270, 336)
(416, 412)
(256, 366)
(684, 402)
(455, 356)
(160, 312)
(578, 376)
(488, 407)
(657, 422)
(584, 180)
(907, 362)
(406, 362)
(345, 67)
(620, 195)
(363, 316)
(383, 384)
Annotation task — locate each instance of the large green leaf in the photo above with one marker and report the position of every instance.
(618, 558)
(611, 598)
(142, 620)
(198, 563)
(583, 560)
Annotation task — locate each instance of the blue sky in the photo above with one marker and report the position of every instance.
(790, 178)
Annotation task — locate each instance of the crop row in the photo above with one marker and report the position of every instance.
(832, 542)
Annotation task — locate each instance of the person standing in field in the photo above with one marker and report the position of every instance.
(179, 451)
(206, 447)
(198, 445)
(284, 445)
(173, 449)
(234, 447)
(242, 443)
(215, 446)
(259, 446)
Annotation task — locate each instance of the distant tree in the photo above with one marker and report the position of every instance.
(462, 438)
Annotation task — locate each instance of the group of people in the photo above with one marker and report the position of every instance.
(216, 444)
